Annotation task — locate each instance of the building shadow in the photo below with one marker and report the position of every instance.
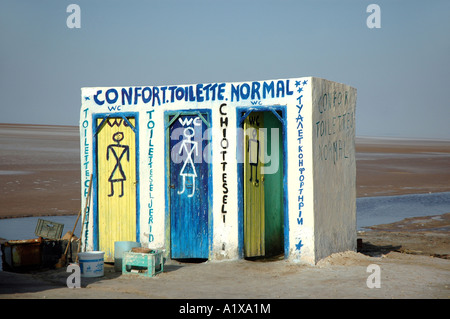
(371, 250)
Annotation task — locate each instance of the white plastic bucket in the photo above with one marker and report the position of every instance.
(91, 263)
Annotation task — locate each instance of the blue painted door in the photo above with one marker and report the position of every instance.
(188, 188)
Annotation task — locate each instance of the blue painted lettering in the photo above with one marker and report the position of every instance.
(268, 89)
(136, 94)
(127, 95)
(301, 179)
(244, 91)
(96, 99)
(172, 93)
(196, 93)
(156, 95)
(234, 93)
(150, 126)
(221, 91)
(163, 90)
(256, 91)
(199, 93)
(145, 91)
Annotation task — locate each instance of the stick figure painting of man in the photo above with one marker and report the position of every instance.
(118, 151)
(253, 151)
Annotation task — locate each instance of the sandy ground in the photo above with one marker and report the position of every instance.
(39, 175)
(387, 167)
(39, 170)
(342, 275)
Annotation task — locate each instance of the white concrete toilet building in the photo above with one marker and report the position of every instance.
(221, 170)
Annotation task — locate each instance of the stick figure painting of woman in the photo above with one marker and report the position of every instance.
(118, 151)
(188, 169)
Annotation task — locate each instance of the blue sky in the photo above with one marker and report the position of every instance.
(401, 70)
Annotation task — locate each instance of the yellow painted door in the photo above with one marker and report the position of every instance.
(116, 164)
(254, 244)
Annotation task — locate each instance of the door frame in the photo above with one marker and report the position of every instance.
(135, 129)
(240, 171)
(167, 151)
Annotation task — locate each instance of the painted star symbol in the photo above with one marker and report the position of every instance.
(299, 245)
(305, 82)
(298, 83)
(300, 90)
(87, 98)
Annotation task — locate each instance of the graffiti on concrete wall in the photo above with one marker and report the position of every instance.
(334, 119)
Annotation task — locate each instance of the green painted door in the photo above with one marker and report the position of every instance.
(273, 180)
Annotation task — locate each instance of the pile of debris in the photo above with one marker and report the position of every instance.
(49, 250)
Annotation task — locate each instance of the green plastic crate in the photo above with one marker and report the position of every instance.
(48, 229)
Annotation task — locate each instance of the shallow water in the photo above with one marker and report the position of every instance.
(369, 210)
(389, 209)
(24, 228)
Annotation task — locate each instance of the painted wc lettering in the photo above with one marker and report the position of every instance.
(224, 146)
(300, 85)
(254, 120)
(187, 121)
(255, 90)
(150, 127)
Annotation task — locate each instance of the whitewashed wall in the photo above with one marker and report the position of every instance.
(334, 167)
